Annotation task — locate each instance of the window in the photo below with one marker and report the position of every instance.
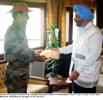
(34, 30)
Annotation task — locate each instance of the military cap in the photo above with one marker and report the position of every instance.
(20, 6)
(84, 11)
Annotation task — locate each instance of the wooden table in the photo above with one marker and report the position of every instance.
(57, 82)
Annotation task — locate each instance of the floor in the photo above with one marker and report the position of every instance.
(63, 90)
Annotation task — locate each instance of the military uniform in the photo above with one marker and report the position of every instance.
(18, 57)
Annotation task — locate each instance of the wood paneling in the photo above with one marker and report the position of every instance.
(90, 3)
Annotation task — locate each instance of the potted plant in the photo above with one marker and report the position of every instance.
(53, 41)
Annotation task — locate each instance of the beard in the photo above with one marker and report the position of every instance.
(78, 23)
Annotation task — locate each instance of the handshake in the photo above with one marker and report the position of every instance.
(50, 53)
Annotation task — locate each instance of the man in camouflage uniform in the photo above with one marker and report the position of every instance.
(17, 53)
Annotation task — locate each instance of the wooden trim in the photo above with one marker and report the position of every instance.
(2, 61)
(36, 1)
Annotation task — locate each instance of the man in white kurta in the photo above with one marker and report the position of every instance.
(86, 50)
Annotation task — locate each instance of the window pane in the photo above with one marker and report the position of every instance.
(33, 30)
(67, 26)
(5, 21)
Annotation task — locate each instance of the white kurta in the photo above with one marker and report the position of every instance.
(86, 51)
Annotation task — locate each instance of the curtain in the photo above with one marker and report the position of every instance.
(56, 15)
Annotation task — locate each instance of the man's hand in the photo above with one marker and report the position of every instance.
(38, 52)
(43, 58)
(74, 75)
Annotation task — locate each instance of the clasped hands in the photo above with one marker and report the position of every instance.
(50, 53)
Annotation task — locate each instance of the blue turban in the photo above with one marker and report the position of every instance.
(83, 11)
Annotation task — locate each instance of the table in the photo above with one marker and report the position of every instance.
(58, 82)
